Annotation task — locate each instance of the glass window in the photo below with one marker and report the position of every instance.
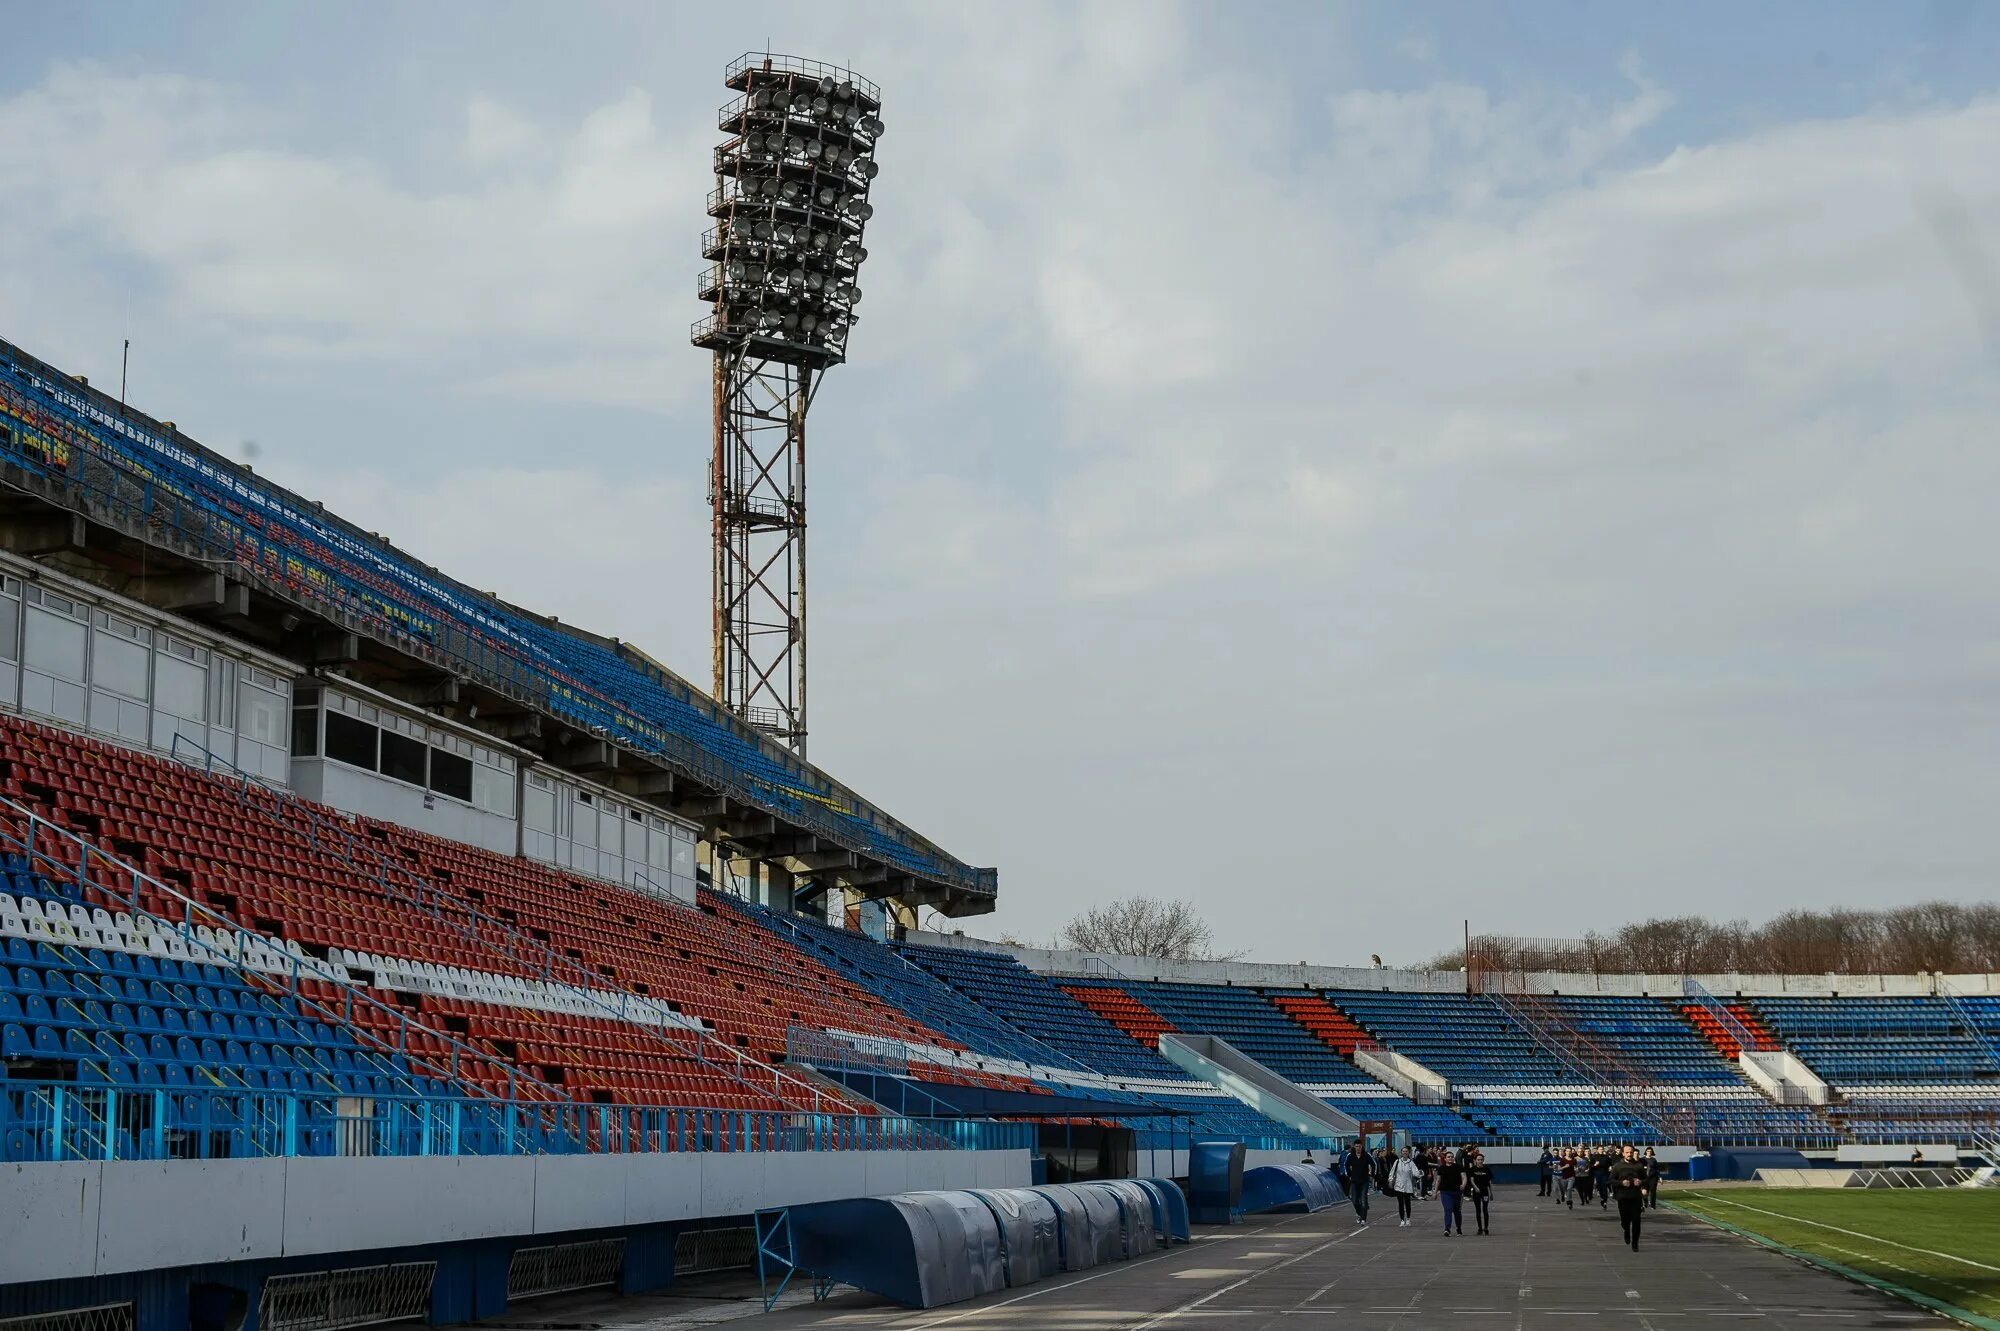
(493, 791)
(261, 715)
(403, 757)
(451, 775)
(179, 688)
(350, 741)
(224, 682)
(305, 732)
(10, 626)
(540, 810)
(55, 645)
(118, 664)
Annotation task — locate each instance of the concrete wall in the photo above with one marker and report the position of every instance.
(1051, 961)
(92, 1218)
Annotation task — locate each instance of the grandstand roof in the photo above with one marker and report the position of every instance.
(130, 503)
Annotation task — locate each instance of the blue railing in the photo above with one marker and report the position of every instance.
(60, 856)
(529, 954)
(54, 1121)
(1969, 1019)
(129, 472)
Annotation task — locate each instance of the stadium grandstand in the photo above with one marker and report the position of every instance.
(389, 917)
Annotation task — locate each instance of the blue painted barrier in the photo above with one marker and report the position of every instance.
(921, 1249)
(1215, 1182)
(1170, 1209)
(1281, 1187)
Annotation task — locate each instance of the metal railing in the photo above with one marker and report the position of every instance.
(1747, 1040)
(561, 1267)
(46, 1121)
(792, 64)
(94, 868)
(1587, 1061)
(503, 939)
(1969, 1019)
(351, 1296)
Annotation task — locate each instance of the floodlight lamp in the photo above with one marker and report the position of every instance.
(868, 168)
(871, 126)
(844, 91)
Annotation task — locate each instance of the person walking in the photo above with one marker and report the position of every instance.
(1600, 1175)
(1479, 1187)
(1566, 1179)
(1628, 1179)
(1427, 1162)
(1403, 1181)
(1583, 1177)
(1451, 1188)
(1359, 1172)
(1652, 1163)
(1546, 1169)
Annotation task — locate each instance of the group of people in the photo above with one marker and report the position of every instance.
(1413, 1174)
(1460, 1176)
(1620, 1174)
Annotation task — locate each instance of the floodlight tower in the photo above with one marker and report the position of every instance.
(790, 205)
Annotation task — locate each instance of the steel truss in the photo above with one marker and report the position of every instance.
(757, 490)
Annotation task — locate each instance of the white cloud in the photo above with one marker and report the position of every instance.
(1435, 498)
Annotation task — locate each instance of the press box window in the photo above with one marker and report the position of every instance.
(305, 732)
(403, 757)
(350, 741)
(451, 775)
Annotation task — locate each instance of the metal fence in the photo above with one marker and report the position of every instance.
(102, 1317)
(352, 1296)
(61, 1120)
(565, 1266)
(729, 1249)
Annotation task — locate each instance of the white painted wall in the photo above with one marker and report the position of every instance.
(84, 1218)
(397, 802)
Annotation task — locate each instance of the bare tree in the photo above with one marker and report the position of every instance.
(1929, 936)
(1144, 927)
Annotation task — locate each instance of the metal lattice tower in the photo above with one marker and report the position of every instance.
(790, 205)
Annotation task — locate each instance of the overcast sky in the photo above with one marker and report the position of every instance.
(1357, 468)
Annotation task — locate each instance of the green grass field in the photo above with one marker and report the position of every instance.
(1943, 1243)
